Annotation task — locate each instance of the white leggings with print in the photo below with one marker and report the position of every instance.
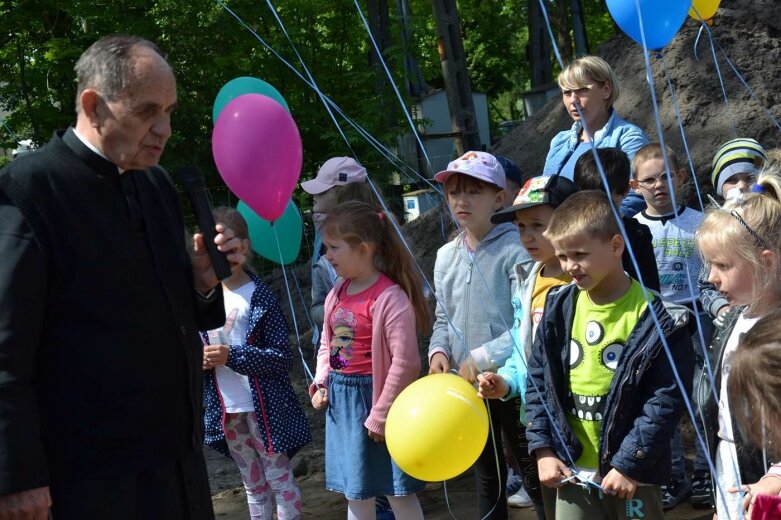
(265, 476)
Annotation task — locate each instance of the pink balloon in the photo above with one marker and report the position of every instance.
(257, 149)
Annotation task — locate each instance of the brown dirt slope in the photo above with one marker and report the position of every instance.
(748, 30)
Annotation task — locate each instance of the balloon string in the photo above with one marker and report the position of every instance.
(718, 73)
(312, 81)
(10, 132)
(632, 255)
(307, 371)
(739, 76)
(313, 84)
(680, 126)
(393, 84)
(397, 162)
(666, 346)
(701, 334)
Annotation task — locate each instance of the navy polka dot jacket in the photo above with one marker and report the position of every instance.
(265, 359)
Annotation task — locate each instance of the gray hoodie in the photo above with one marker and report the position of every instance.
(474, 292)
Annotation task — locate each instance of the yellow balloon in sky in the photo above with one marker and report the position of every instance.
(437, 427)
(706, 9)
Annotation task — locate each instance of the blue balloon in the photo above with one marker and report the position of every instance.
(661, 19)
(244, 85)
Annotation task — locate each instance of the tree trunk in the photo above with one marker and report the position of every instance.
(454, 71)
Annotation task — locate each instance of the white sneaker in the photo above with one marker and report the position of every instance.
(520, 500)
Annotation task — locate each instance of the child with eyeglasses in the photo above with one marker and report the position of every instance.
(672, 226)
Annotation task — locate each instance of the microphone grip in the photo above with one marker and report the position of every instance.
(195, 188)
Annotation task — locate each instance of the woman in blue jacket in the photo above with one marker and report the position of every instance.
(590, 84)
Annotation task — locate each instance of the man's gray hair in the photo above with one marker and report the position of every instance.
(107, 65)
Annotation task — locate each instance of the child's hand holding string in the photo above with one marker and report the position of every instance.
(320, 398)
(439, 364)
(376, 437)
(468, 369)
(553, 472)
(215, 355)
(617, 484)
(491, 386)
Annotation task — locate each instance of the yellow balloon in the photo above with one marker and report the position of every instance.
(437, 427)
(706, 8)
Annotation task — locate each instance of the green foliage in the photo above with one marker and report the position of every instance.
(40, 41)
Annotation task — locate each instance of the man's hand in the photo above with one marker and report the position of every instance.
(617, 484)
(320, 399)
(439, 364)
(552, 471)
(205, 279)
(491, 386)
(215, 355)
(31, 504)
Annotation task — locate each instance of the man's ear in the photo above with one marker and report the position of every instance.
(92, 106)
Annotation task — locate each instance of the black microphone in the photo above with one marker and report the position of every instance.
(192, 180)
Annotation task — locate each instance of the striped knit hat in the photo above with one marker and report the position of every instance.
(742, 155)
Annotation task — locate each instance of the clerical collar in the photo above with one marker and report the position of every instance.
(88, 153)
(88, 144)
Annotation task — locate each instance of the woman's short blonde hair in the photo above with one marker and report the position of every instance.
(587, 71)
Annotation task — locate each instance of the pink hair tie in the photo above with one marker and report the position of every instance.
(381, 216)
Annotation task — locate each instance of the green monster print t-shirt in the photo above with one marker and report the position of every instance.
(599, 334)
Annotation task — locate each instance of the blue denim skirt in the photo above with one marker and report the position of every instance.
(355, 465)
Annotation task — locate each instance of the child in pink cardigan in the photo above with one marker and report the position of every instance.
(368, 355)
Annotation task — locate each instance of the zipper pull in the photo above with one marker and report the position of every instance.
(469, 273)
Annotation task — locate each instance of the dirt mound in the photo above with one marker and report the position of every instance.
(748, 30)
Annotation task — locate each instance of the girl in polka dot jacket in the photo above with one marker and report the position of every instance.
(251, 411)
(368, 355)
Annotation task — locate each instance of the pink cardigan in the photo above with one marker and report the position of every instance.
(395, 355)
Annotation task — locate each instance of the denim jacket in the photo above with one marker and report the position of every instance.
(617, 133)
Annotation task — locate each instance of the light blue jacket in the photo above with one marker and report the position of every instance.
(511, 350)
(474, 293)
(617, 133)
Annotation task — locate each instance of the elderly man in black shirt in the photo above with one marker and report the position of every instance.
(100, 308)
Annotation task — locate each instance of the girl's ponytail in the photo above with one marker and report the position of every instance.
(399, 265)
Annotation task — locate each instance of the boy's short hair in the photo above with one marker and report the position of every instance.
(617, 170)
(654, 151)
(586, 70)
(583, 213)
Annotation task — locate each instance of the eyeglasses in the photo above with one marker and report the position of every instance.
(650, 182)
(582, 91)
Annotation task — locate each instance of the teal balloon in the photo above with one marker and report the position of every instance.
(244, 85)
(287, 228)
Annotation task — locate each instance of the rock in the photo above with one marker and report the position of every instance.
(300, 466)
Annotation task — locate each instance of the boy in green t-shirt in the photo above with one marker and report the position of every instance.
(602, 397)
